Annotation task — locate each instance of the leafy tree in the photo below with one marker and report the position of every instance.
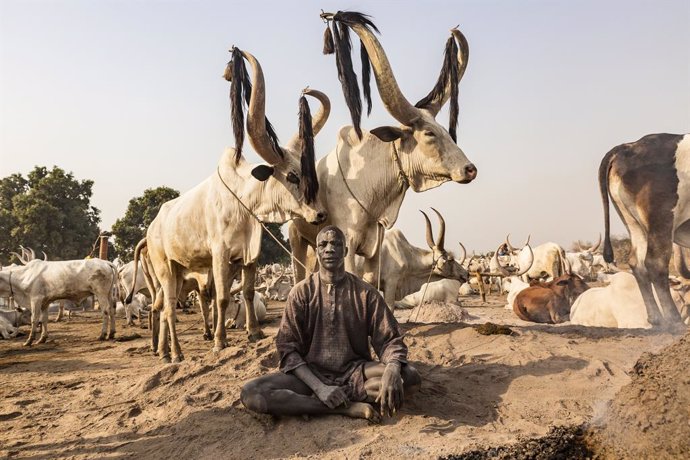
(48, 211)
(141, 210)
(271, 252)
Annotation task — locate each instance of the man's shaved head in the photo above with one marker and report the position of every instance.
(331, 228)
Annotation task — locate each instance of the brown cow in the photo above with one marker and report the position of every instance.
(549, 302)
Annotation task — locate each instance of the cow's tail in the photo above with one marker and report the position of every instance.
(604, 169)
(140, 245)
(680, 262)
(114, 285)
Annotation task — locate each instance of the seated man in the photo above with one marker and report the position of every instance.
(323, 343)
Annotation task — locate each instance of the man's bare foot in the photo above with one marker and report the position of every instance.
(361, 410)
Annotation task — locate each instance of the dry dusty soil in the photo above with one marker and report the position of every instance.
(76, 397)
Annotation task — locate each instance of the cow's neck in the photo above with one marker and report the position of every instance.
(381, 189)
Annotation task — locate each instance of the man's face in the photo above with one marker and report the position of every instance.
(330, 247)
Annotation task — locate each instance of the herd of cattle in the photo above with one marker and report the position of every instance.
(208, 239)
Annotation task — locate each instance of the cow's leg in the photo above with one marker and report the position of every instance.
(44, 324)
(223, 274)
(171, 351)
(204, 301)
(298, 246)
(61, 311)
(637, 262)
(35, 312)
(248, 278)
(659, 253)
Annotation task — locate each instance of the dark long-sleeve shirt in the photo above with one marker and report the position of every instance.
(329, 328)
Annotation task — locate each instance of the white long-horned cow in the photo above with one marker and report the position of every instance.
(404, 267)
(582, 262)
(549, 261)
(40, 282)
(649, 184)
(363, 181)
(214, 225)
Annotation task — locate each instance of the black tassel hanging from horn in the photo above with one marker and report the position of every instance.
(454, 108)
(237, 88)
(270, 131)
(366, 75)
(309, 183)
(346, 74)
(328, 46)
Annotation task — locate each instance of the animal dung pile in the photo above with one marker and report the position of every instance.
(439, 312)
(561, 442)
(649, 416)
(493, 329)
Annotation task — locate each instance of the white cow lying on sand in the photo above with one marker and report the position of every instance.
(239, 320)
(10, 320)
(445, 290)
(618, 305)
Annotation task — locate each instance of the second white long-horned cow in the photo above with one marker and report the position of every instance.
(213, 225)
(363, 181)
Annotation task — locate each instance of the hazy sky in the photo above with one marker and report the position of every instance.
(130, 94)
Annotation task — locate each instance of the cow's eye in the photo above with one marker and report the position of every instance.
(429, 134)
(292, 178)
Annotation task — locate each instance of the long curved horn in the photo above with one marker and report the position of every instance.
(21, 259)
(531, 261)
(45, 256)
(33, 254)
(434, 102)
(25, 253)
(464, 253)
(500, 266)
(391, 96)
(527, 242)
(510, 246)
(441, 240)
(256, 115)
(596, 246)
(318, 120)
(429, 234)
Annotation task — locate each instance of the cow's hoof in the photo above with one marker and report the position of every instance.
(41, 340)
(27, 343)
(178, 359)
(101, 337)
(218, 348)
(256, 336)
(208, 336)
(165, 359)
(111, 336)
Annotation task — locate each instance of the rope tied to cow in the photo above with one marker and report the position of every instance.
(287, 251)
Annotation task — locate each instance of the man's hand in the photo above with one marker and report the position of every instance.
(390, 395)
(332, 396)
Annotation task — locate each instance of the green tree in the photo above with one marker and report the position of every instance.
(48, 211)
(141, 210)
(271, 252)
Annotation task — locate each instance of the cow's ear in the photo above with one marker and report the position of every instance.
(262, 172)
(562, 282)
(387, 133)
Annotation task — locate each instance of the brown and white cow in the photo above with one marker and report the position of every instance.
(649, 184)
(549, 302)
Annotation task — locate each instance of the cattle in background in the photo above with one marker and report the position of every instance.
(38, 283)
(404, 267)
(216, 226)
(549, 302)
(582, 262)
(648, 182)
(365, 178)
(11, 320)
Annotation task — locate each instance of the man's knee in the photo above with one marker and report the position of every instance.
(252, 398)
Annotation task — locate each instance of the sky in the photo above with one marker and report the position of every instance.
(129, 94)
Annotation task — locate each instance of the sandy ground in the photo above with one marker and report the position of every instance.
(76, 397)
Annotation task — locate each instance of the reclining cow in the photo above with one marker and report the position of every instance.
(11, 320)
(619, 305)
(549, 302)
